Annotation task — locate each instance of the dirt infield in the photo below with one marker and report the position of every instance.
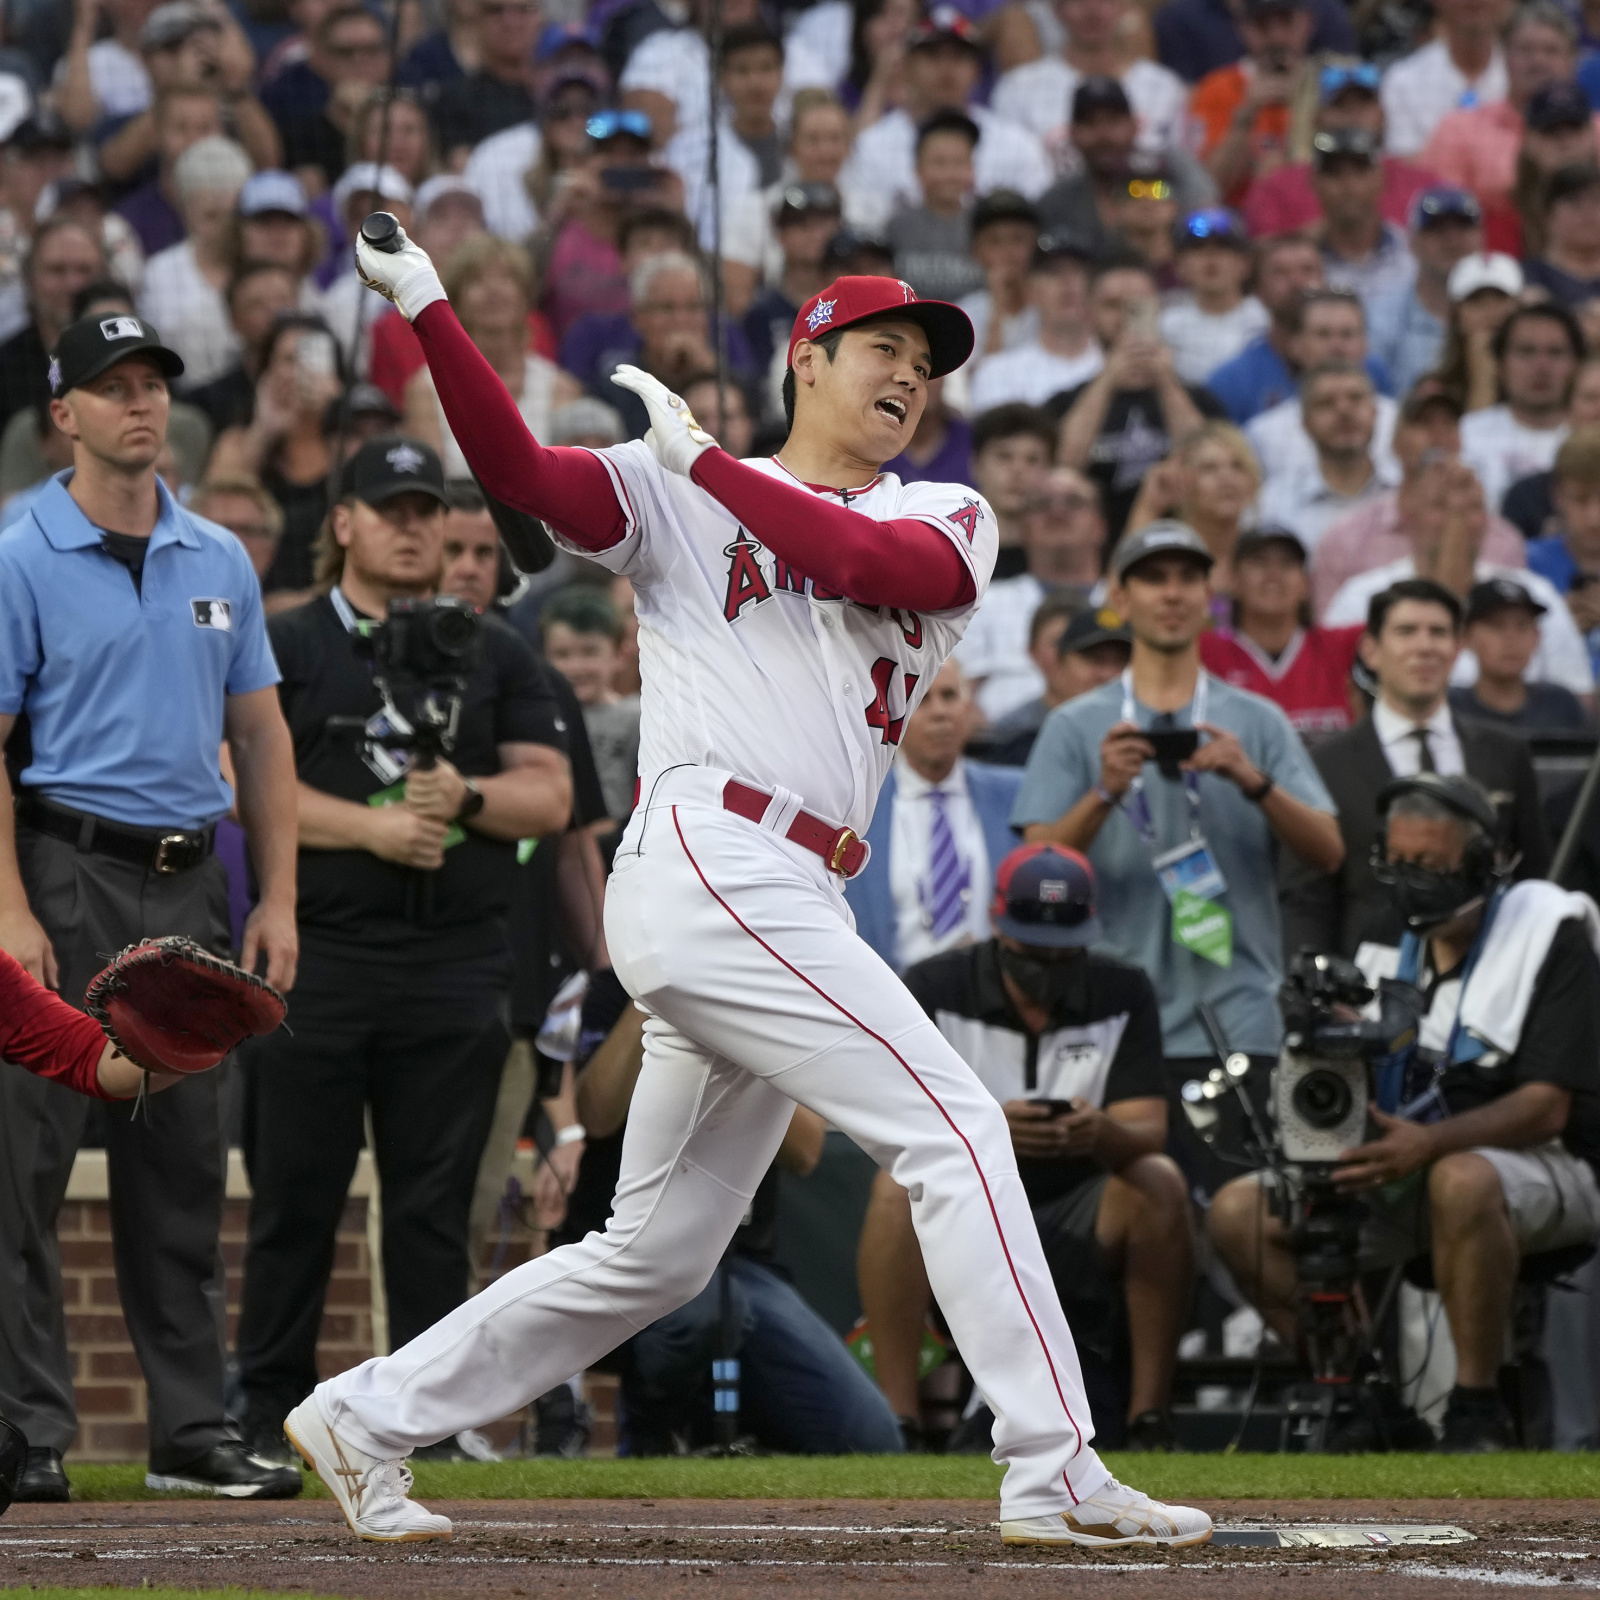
(659, 1550)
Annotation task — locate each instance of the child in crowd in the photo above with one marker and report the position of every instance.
(1214, 319)
(583, 641)
(932, 242)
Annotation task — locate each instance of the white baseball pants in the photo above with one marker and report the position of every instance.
(739, 946)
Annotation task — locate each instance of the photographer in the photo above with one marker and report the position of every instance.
(1070, 1044)
(1181, 790)
(1485, 1134)
(405, 881)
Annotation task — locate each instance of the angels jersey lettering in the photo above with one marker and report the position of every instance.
(751, 666)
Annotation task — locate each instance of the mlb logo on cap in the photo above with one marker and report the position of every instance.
(1044, 896)
(121, 328)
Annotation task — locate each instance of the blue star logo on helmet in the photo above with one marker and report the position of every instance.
(821, 313)
(404, 459)
(55, 376)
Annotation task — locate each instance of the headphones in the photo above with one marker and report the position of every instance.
(1483, 869)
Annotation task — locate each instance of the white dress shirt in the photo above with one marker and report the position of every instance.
(1032, 374)
(1403, 751)
(1562, 656)
(910, 834)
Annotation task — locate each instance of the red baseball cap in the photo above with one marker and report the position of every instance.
(847, 301)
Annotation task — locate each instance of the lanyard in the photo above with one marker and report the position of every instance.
(347, 614)
(1137, 806)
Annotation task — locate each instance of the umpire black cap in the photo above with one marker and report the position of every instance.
(391, 465)
(94, 343)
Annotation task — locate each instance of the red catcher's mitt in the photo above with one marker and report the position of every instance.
(170, 1006)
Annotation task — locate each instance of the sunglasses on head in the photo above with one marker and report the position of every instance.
(1335, 80)
(608, 124)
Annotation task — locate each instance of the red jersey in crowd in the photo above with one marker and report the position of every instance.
(1310, 680)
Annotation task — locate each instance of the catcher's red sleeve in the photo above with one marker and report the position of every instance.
(40, 1031)
(568, 488)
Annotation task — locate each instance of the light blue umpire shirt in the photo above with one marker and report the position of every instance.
(124, 690)
(1135, 918)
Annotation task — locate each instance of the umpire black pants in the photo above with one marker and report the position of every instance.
(423, 1045)
(167, 1172)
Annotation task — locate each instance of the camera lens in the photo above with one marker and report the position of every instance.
(452, 630)
(1322, 1099)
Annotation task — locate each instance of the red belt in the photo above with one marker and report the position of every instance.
(840, 848)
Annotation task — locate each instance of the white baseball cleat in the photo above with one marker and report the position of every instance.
(1113, 1515)
(371, 1493)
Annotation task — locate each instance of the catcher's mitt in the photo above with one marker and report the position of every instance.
(170, 1006)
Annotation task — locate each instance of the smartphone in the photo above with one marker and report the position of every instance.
(630, 180)
(314, 355)
(1059, 1108)
(1172, 745)
(1144, 319)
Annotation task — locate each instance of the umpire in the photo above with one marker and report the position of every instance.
(405, 885)
(132, 641)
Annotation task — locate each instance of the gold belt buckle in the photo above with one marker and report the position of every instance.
(161, 862)
(846, 838)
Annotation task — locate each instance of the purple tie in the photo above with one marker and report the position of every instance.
(949, 877)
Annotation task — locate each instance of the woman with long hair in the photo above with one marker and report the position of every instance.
(1467, 367)
(405, 138)
(879, 32)
(286, 445)
(491, 285)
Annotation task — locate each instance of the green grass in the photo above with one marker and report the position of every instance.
(1209, 1477)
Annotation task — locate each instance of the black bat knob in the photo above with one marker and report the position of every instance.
(382, 232)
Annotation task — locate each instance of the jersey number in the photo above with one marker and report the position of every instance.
(878, 715)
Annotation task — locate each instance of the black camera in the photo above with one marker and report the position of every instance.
(423, 655)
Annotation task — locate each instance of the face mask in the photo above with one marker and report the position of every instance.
(1427, 899)
(1045, 982)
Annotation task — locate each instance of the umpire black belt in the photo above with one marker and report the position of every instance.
(165, 851)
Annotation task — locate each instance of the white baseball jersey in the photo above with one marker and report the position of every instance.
(751, 666)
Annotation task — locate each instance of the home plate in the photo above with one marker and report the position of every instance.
(1327, 1535)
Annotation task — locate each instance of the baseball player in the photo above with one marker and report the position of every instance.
(792, 612)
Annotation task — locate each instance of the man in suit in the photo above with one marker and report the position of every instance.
(940, 831)
(1412, 638)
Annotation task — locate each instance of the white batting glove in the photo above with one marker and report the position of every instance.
(406, 277)
(676, 439)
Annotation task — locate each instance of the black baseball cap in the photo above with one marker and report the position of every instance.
(1343, 144)
(1093, 626)
(806, 200)
(1265, 8)
(944, 23)
(1558, 105)
(1062, 246)
(846, 248)
(1568, 182)
(1444, 202)
(1100, 94)
(1258, 538)
(1044, 897)
(1003, 205)
(392, 465)
(1500, 594)
(1213, 225)
(1167, 536)
(44, 130)
(92, 344)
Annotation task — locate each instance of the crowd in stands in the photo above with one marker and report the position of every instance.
(1285, 397)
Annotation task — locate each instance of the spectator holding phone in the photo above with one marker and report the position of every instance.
(1182, 791)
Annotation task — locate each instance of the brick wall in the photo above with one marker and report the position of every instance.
(110, 1387)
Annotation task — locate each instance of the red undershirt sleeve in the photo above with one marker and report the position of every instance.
(906, 562)
(570, 489)
(40, 1031)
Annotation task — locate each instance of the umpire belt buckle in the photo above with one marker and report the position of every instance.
(175, 843)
